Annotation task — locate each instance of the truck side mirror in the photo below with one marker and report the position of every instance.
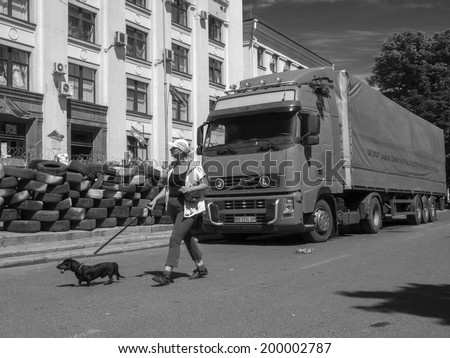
(310, 128)
(313, 124)
(200, 139)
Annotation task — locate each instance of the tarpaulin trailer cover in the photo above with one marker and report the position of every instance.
(388, 147)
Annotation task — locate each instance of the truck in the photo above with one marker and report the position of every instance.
(316, 152)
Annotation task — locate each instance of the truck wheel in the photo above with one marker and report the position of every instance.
(322, 219)
(373, 223)
(432, 216)
(416, 218)
(425, 210)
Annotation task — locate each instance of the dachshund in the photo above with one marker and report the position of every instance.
(90, 273)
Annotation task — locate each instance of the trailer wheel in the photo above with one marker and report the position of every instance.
(373, 223)
(322, 218)
(425, 210)
(416, 218)
(432, 209)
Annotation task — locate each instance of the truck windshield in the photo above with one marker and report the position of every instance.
(268, 130)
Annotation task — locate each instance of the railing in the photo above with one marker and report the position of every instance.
(21, 156)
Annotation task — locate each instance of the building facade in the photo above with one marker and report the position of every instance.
(112, 79)
(269, 51)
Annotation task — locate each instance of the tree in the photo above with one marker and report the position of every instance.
(414, 71)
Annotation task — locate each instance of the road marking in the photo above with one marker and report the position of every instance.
(325, 262)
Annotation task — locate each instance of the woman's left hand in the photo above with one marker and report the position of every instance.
(183, 190)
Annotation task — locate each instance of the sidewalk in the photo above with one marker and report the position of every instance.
(18, 249)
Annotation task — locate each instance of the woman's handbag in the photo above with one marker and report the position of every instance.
(192, 197)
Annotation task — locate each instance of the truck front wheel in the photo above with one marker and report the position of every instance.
(373, 222)
(322, 219)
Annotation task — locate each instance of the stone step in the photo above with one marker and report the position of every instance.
(78, 249)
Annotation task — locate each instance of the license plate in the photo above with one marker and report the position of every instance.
(245, 219)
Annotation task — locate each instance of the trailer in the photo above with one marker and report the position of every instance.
(314, 150)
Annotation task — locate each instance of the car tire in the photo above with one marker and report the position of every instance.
(74, 178)
(52, 167)
(85, 203)
(33, 205)
(139, 212)
(19, 197)
(120, 212)
(8, 183)
(24, 173)
(48, 197)
(9, 214)
(36, 186)
(56, 226)
(73, 214)
(106, 223)
(97, 213)
(130, 221)
(40, 215)
(23, 226)
(59, 189)
(105, 203)
(86, 225)
(61, 206)
(49, 178)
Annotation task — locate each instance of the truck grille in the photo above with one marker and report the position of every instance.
(244, 182)
(245, 204)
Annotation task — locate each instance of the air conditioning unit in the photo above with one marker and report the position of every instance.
(59, 67)
(65, 89)
(120, 39)
(203, 15)
(168, 54)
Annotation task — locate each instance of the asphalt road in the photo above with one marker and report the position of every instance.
(393, 284)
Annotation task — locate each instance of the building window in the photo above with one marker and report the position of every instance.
(215, 29)
(13, 139)
(212, 104)
(180, 62)
(18, 9)
(136, 43)
(81, 144)
(140, 3)
(215, 71)
(287, 66)
(83, 81)
(273, 63)
(136, 96)
(136, 150)
(13, 68)
(260, 57)
(179, 13)
(81, 24)
(180, 110)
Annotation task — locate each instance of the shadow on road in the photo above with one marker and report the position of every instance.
(173, 276)
(263, 240)
(431, 301)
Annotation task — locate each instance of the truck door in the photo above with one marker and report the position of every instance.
(319, 156)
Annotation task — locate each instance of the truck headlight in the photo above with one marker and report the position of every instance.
(288, 207)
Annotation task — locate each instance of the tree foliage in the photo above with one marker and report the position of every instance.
(414, 71)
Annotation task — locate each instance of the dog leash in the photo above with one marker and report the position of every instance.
(111, 239)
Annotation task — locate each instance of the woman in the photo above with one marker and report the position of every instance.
(186, 182)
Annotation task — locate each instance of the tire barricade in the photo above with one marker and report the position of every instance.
(52, 196)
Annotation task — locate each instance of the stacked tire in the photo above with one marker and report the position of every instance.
(50, 196)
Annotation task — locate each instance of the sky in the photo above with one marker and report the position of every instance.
(349, 33)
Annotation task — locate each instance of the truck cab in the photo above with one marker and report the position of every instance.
(264, 148)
